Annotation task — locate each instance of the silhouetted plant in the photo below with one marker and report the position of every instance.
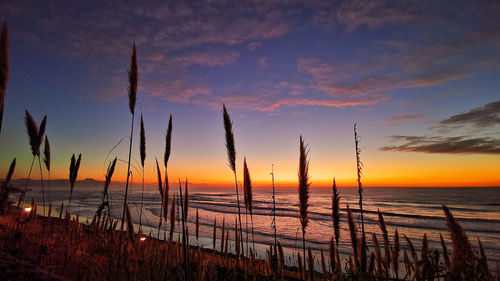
(132, 96)
(46, 161)
(142, 149)
(73, 174)
(105, 198)
(6, 188)
(35, 135)
(247, 187)
(303, 192)
(231, 157)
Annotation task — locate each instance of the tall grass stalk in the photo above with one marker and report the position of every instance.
(353, 231)
(245, 200)
(183, 224)
(73, 174)
(462, 256)
(336, 212)
(331, 251)
(160, 190)
(6, 188)
(197, 225)
(274, 206)
(387, 246)
(142, 148)
(46, 161)
(223, 232)
(359, 167)
(4, 67)
(105, 198)
(214, 234)
(43, 190)
(303, 190)
(247, 186)
(172, 219)
(132, 96)
(166, 157)
(35, 135)
(231, 157)
(395, 254)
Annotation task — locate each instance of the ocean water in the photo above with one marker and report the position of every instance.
(413, 211)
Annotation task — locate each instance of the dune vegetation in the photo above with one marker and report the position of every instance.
(57, 246)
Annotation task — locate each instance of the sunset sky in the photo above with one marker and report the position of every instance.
(420, 78)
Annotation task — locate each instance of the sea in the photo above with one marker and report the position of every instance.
(413, 211)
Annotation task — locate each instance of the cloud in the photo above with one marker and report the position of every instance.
(266, 103)
(396, 119)
(484, 116)
(170, 37)
(262, 62)
(449, 145)
(437, 78)
(252, 46)
(173, 36)
(373, 14)
(350, 82)
(480, 117)
(179, 89)
(211, 58)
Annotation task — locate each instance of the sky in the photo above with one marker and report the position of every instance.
(420, 79)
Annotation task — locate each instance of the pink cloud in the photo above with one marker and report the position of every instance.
(396, 119)
(262, 62)
(208, 58)
(252, 46)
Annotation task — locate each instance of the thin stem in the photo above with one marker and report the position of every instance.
(239, 212)
(253, 237)
(128, 170)
(142, 200)
(274, 209)
(246, 226)
(161, 212)
(68, 209)
(50, 196)
(183, 218)
(304, 246)
(43, 191)
(23, 194)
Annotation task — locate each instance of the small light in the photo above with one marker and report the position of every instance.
(142, 238)
(27, 210)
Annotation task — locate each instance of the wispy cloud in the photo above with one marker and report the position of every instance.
(396, 119)
(481, 117)
(373, 14)
(484, 116)
(450, 145)
(209, 58)
(252, 46)
(262, 62)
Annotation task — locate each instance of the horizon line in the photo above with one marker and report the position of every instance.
(287, 185)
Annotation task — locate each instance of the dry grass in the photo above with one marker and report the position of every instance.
(303, 190)
(73, 174)
(64, 248)
(336, 212)
(231, 157)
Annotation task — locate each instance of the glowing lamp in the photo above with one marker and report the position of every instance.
(142, 239)
(27, 210)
